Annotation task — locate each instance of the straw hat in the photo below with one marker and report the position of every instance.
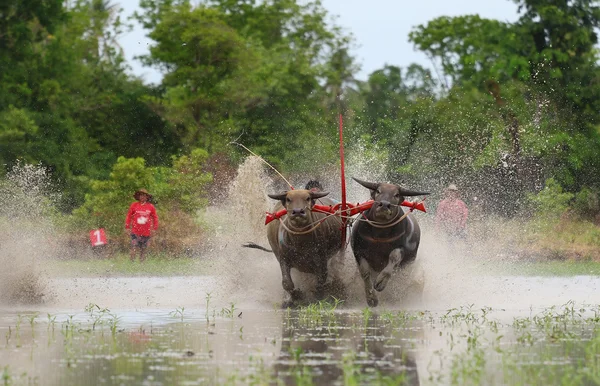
(141, 191)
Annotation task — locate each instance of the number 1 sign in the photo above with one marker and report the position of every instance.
(97, 237)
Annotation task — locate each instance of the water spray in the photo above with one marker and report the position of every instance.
(264, 161)
(344, 209)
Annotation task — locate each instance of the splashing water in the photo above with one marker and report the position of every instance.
(245, 276)
(26, 233)
(450, 275)
(253, 278)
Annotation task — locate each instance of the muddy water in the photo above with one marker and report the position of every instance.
(225, 325)
(506, 292)
(157, 347)
(181, 330)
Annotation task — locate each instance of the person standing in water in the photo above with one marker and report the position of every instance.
(452, 213)
(142, 222)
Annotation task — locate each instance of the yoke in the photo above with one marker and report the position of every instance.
(351, 209)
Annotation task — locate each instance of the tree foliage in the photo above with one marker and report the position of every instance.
(537, 78)
(254, 70)
(65, 98)
(505, 107)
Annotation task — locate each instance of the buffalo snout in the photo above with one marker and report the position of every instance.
(298, 212)
(385, 204)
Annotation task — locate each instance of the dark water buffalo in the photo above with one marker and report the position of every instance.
(299, 240)
(382, 243)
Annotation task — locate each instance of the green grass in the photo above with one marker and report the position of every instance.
(550, 268)
(563, 239)
(161, 266)
(123, 266)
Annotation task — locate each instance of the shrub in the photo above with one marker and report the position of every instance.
(551, 202)
(106, 205)
(178, 192)
(184, 186)
(586, 204)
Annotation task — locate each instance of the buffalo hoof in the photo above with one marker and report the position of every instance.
(320, 295)
(382, 281)
(287, 304)
(296, 294)
(372, 299)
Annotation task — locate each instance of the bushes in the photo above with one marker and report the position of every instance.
(184, 186)
(106, 205)
(586, 205)
(561, 227)
(179, 192)
(552, 203)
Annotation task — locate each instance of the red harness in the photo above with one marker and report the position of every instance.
(350, 211)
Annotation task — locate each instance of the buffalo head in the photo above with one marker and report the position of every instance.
(387, 198)
(298, 204)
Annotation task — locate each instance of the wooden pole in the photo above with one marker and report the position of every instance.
(343, 177)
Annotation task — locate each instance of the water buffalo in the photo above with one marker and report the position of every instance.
(381, 242)
(304, 239)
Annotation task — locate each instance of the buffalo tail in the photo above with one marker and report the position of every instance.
(256, 246)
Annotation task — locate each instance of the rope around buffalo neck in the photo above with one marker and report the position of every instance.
(318, 223)
(383, 225)
(386, 225)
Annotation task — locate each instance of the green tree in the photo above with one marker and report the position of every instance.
(265, 71)
(17, 128)
(63, 71)
(26, 29)
(538, 73)
(470, 50)
(209, 74)
(564, 56)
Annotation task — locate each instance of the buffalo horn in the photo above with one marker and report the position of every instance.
(315, 195)
(368, 185)
(280, 196)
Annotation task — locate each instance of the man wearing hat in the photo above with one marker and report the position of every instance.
(141, 221)
(451, 215)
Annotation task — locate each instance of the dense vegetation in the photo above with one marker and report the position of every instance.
(509, 105)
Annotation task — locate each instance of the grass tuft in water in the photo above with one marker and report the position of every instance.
(178, 313)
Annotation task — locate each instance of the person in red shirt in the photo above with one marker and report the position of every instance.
(141, 221)
(452, 213)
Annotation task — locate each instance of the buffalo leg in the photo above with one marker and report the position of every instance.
(384, 276)
(287, 283)
(365, 272)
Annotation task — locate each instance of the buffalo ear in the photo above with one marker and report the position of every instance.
(368, 185)
(406, 192)
(316, 195)
(281, 197)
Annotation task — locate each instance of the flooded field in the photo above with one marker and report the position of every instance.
(219, 321)
(181, 330)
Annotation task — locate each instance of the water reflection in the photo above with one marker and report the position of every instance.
(156, 351)
(261, 347)
(321, 347)
(347, 346)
